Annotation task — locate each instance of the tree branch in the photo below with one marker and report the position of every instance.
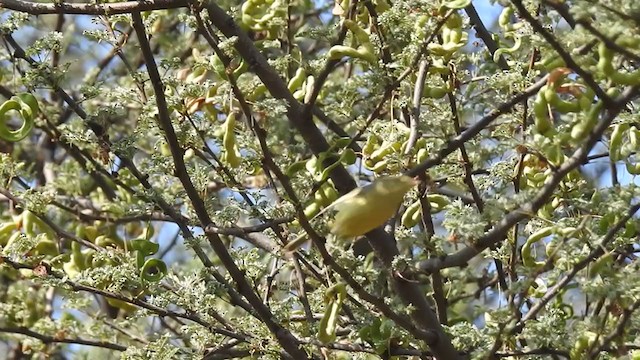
(126, 7)
(46, 339)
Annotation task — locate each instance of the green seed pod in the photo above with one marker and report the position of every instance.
(71, 269)
(634, 138)
(552, 247)
(580, 130)
(582, 345)
(542, 122)
(454, 5)
(560, 105)
(295, 168)
(24, 104)
(334, 297)
(31, 221)
(231, 155)
(370, 145)
(311, 210)
(437, 202)
(297, 80)
(633, 169)
(605, 61)
(605, 66)
(422, 155)
(550, 63)
(321, 198)
(385, 149)
(380, 166)
(516, 46)
(527, 258)
(153, 270)
(16, 236)
(365, 51)
(436, 92)
(545, 211)
(504, 20)
(408, 220)
(46, 247)
(77, 257)
(615, 144)
(108, 241)
(348, 156)
(329, 191)
(6, 230)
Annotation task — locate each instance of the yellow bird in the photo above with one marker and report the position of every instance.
(364, 209)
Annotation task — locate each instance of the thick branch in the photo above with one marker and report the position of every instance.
(51, 339)
(61, 7)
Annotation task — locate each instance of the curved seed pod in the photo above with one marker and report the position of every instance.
(153, 270)
(297, 80)
(370, 145)
(605, 262)
(422, 155)
(365, 51)
(29, 223)
(77, 257)
(408, 219)
(380, 166)
(122, 305)
(6, 230)
(295, 168)
(321, 198)
(437, 202)
(549, 63)
(46, 247)
(527, 258)
(385, 149)
(605, 65)
(504, 20)
(329, 191)
(633, 169)
(337, 52)
(615, 144)
(106, 241)
(634, 138)
(230, 155)
(348, 156)
(590, 120)
(334, 297)
(542, 122)
(435, 92)
(27, 106)
(71, 269)
(545, 212)
(582, 345)
(560, 105)
(16, 236)
(516, 46)
(552, 247)
(312, 210)
(455, 4)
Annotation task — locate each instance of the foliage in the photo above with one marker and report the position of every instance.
(157, 157)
